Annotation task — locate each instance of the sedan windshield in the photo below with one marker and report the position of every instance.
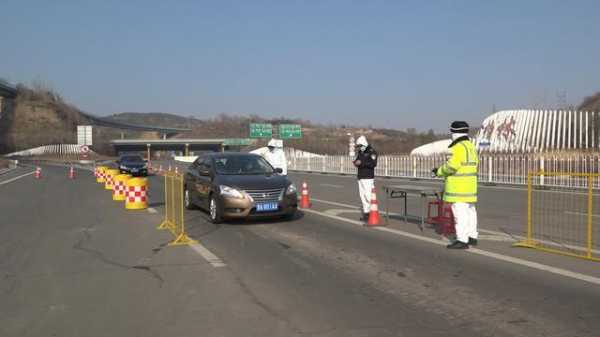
(242, 165)
(130, 159)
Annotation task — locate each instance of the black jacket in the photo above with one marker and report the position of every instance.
(368, 162)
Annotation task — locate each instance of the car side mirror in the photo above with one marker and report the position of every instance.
(204, 173)
(278, 170)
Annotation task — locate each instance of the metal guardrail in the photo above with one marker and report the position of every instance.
(55, 149)
(494, 169)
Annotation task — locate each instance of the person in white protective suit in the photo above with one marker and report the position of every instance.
(365, 163)
(275, 155)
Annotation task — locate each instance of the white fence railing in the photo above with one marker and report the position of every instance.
(493, 169)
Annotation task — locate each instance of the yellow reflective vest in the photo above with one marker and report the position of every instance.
(460, 173)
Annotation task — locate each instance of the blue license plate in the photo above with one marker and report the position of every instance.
(266, 207)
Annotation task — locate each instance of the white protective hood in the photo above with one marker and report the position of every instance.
(277, 157)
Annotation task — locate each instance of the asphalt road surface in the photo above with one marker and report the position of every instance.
(75, 263)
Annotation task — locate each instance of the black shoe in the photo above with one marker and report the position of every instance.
(458, 245)
(472, 242)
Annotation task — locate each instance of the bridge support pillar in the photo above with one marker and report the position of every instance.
(187, 149)
(148, 152)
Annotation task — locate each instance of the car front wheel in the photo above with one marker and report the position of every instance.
(214, 211)
(187, 201)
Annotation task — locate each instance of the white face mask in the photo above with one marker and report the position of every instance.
(455, 136)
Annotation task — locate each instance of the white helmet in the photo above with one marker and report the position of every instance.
(362, 141)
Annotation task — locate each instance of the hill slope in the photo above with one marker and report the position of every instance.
(591, 103)
(38, 117)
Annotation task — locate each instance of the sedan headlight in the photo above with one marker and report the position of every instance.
(230, 192)
(291, 189)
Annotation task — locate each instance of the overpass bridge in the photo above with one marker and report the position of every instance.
(183, 146)
(7, 93)
(165, 131)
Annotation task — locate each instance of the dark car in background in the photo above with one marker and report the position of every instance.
(238, 185)
(133, 164)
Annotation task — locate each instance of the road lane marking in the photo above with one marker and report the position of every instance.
(208, 255)
(17, 178)
(332, 185)
(495, 235)
(582, 214)
(337, 211)
(477, 251)
(334, 203)
(152, 210)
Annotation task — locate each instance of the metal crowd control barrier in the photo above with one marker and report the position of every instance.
(562, 220)
(174, 217)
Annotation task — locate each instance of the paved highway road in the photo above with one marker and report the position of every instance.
(75, 263)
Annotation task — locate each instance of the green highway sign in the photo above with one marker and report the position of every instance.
(237, 141)
(287, 131)
(261, 130)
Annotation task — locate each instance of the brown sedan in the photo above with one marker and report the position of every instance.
(238, 185)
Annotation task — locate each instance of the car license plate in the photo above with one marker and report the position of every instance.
(134, 170)
(266, 207)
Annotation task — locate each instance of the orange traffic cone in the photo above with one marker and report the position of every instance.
(374, 212)
(38, 173)
(304, 199)
(71, 173)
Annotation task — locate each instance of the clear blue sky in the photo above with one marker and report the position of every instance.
(397, 64)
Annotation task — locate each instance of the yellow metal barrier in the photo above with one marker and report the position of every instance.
(174, 217)
(562, 220)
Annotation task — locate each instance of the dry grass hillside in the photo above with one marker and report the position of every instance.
(591, 103)
(40, 116)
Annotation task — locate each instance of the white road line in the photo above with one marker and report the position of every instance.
(152, 210)
(582, 214)
(17, 178)
(498, 236)
(501, 257)
(334, 203)
(332, 185)
(338, 211)
(208, 255)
